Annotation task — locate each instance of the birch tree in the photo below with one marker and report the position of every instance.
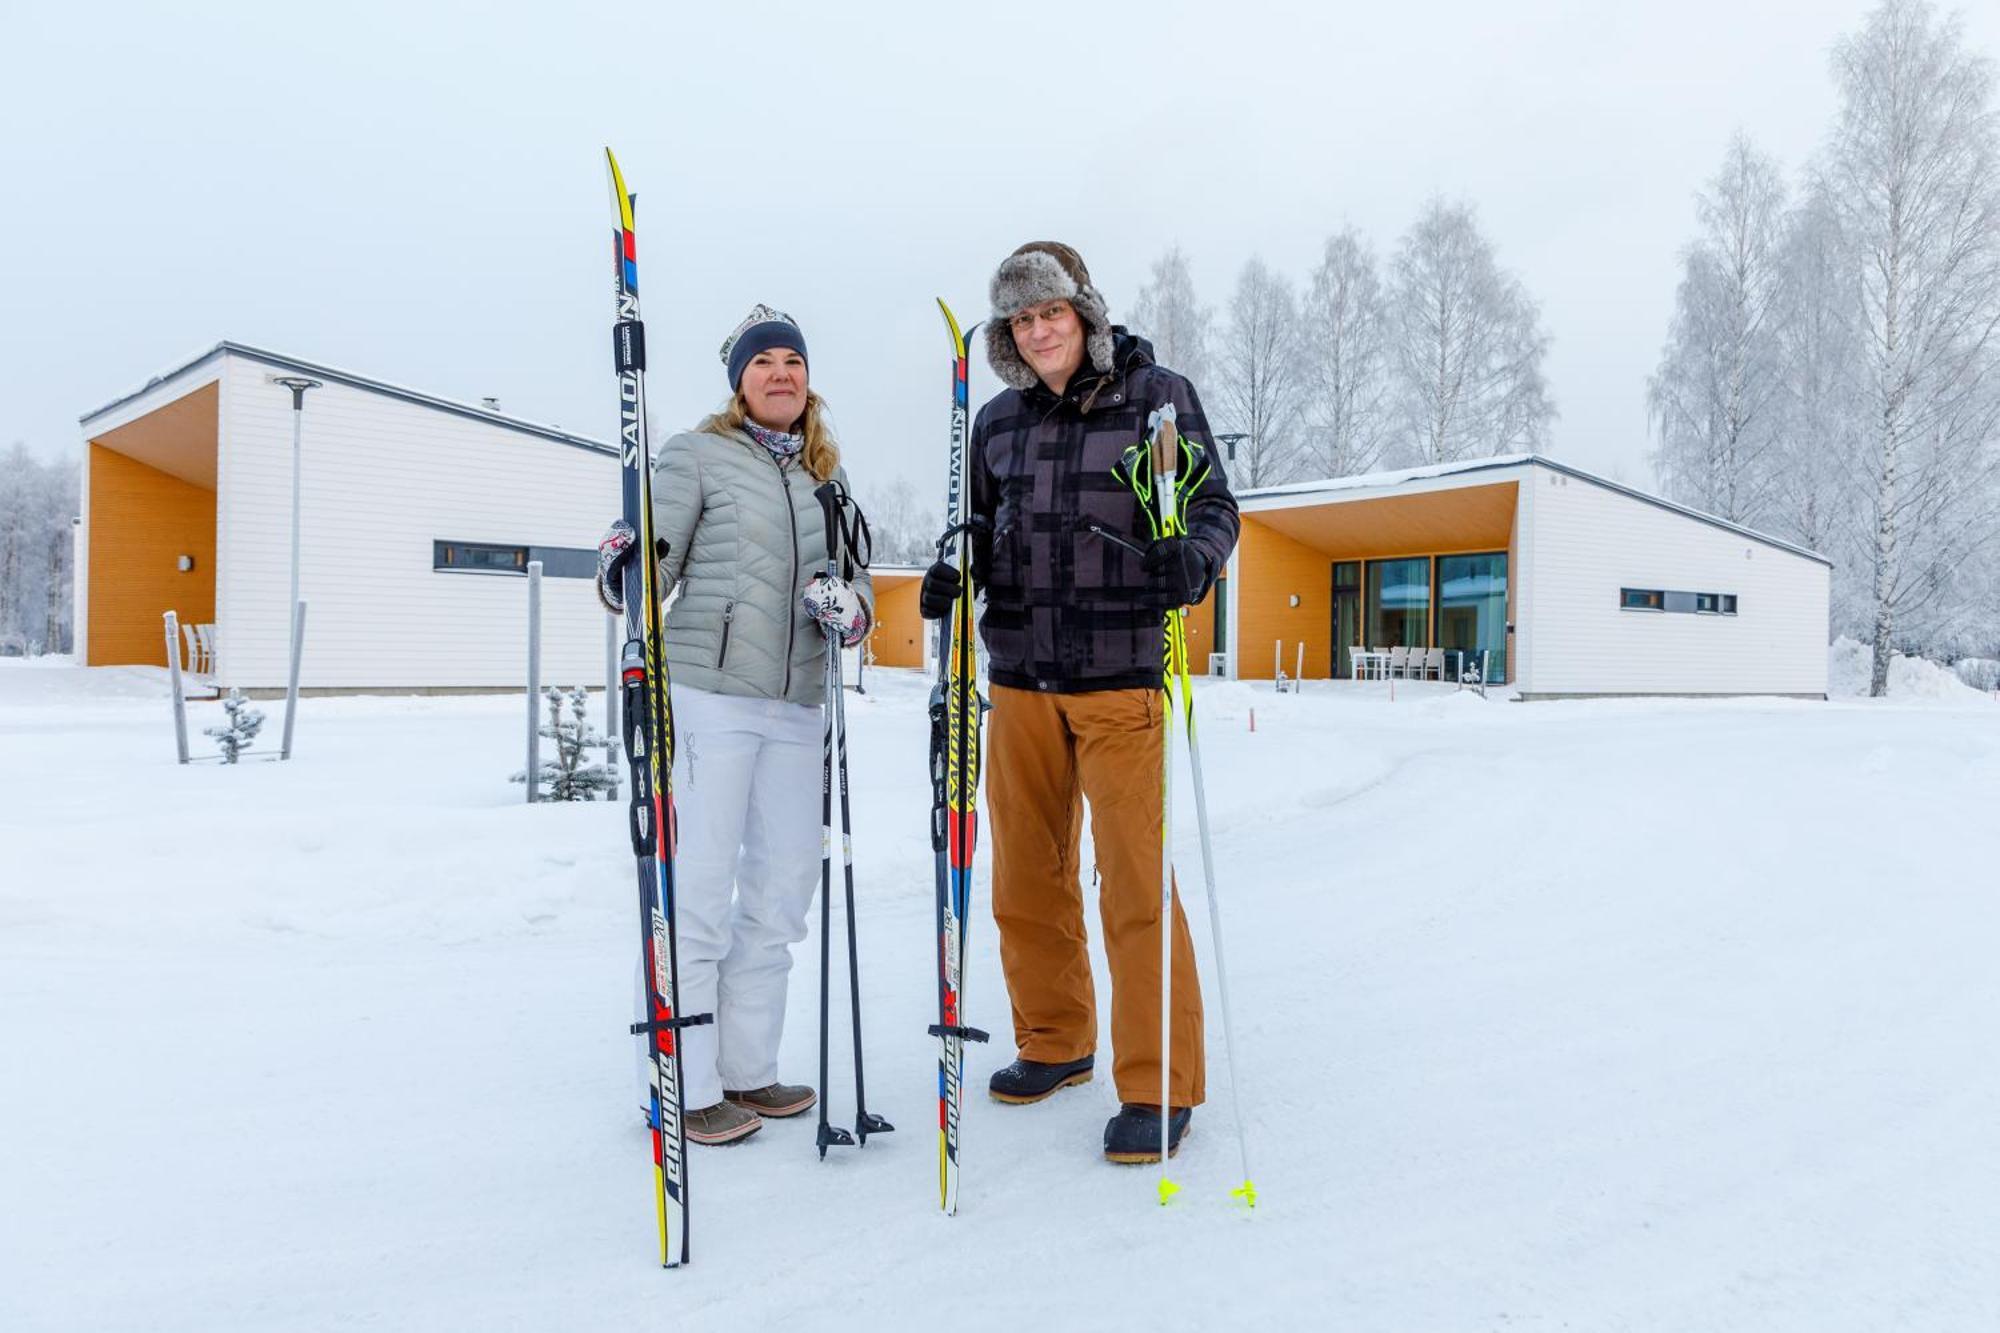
(1914, 174)
(1258, 377)
(1343, 347)
(1714, 399)
(1168, 313)
(1466, 344)
(1817, 411)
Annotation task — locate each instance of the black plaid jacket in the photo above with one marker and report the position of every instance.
(1067, 610)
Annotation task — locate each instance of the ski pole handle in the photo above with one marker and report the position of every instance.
(828, 495)
(1166, 443)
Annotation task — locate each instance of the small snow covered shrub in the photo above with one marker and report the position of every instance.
(570, 776)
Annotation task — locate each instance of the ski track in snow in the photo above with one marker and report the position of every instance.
(1626, 1015)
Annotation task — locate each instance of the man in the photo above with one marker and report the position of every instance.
(1076, 590)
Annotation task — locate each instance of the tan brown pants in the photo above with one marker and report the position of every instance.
(1046, 755)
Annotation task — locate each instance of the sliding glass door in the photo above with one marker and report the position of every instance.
(1399, 603)
(1472, 608)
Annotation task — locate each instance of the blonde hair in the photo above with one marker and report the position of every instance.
(821, 454)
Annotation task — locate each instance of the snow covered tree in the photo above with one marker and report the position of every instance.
(1817, 359)
(1258, 378)
(37, 502)
(901, 530)
(1714, 399)
(1913, 169)
(1466, 344)
(239, 729)
(1168, 314)
(570, 776)
(1343, 341)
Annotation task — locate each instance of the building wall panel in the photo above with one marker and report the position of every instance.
(382, 480)
(1587, 542)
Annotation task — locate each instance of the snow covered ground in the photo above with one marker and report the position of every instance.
(1632, 1015)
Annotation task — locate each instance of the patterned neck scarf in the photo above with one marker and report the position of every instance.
(782, 444)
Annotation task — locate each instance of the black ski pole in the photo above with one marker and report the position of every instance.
(850, 540)
(830, 1135)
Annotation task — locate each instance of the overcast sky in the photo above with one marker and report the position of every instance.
(416, 192)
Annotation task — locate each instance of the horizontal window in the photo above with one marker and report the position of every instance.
(1688, 603)
(558, 562)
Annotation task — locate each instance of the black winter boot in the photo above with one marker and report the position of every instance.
(1030, 1080)
(1133, 1135)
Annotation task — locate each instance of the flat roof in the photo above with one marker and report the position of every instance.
(334, 374)
(1338, 490)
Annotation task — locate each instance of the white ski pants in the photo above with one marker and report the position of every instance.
(746, 801)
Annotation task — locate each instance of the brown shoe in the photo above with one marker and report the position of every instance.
(774, 1102)
(724, 1122)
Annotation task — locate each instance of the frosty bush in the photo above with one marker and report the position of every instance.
(235, 735)
(570, 776)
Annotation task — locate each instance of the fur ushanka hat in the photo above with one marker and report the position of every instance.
(1043, 271)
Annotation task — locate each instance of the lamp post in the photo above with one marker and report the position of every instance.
(1229, 440)
(298, 384)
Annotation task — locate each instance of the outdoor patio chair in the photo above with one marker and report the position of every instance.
(1434, 664)
(1399, 661)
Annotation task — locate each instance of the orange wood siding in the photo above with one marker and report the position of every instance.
(1470, 518)
(1201, 635)
(1270, 569)
(897, 638)
(141, 522)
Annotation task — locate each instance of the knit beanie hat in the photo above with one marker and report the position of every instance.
(1043, 271)
(761, 330)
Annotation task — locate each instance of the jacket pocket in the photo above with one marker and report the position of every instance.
(728, 617)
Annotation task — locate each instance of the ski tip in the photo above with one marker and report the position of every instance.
(619, 194)
(1246, 1192)
(957, 334)
(1167, 1191)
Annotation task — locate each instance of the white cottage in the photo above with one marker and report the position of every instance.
(1562, 583)
(420, 515)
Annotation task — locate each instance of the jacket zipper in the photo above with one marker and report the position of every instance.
(792, 620)
(1091, 525)
(728, 614)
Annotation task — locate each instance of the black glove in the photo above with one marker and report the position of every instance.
(940, 589)
(1178, 572)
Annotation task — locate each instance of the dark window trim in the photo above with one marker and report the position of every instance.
(558, 562)
(1724, 603)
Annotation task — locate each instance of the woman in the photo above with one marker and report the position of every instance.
(743, 536)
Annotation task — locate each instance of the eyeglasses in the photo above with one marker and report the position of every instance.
(1052, 313)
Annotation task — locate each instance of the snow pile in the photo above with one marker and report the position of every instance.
(1910, 678)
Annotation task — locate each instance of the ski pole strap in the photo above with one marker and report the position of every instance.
(972, 527)
(847, 535)
(672, 1024)
(959, 1030)
(1134, 470)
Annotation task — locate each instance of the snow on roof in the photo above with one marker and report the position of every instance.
(1336, 487)
(355, 379)
(1368, 481)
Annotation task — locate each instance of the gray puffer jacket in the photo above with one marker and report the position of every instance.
(744, 536)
